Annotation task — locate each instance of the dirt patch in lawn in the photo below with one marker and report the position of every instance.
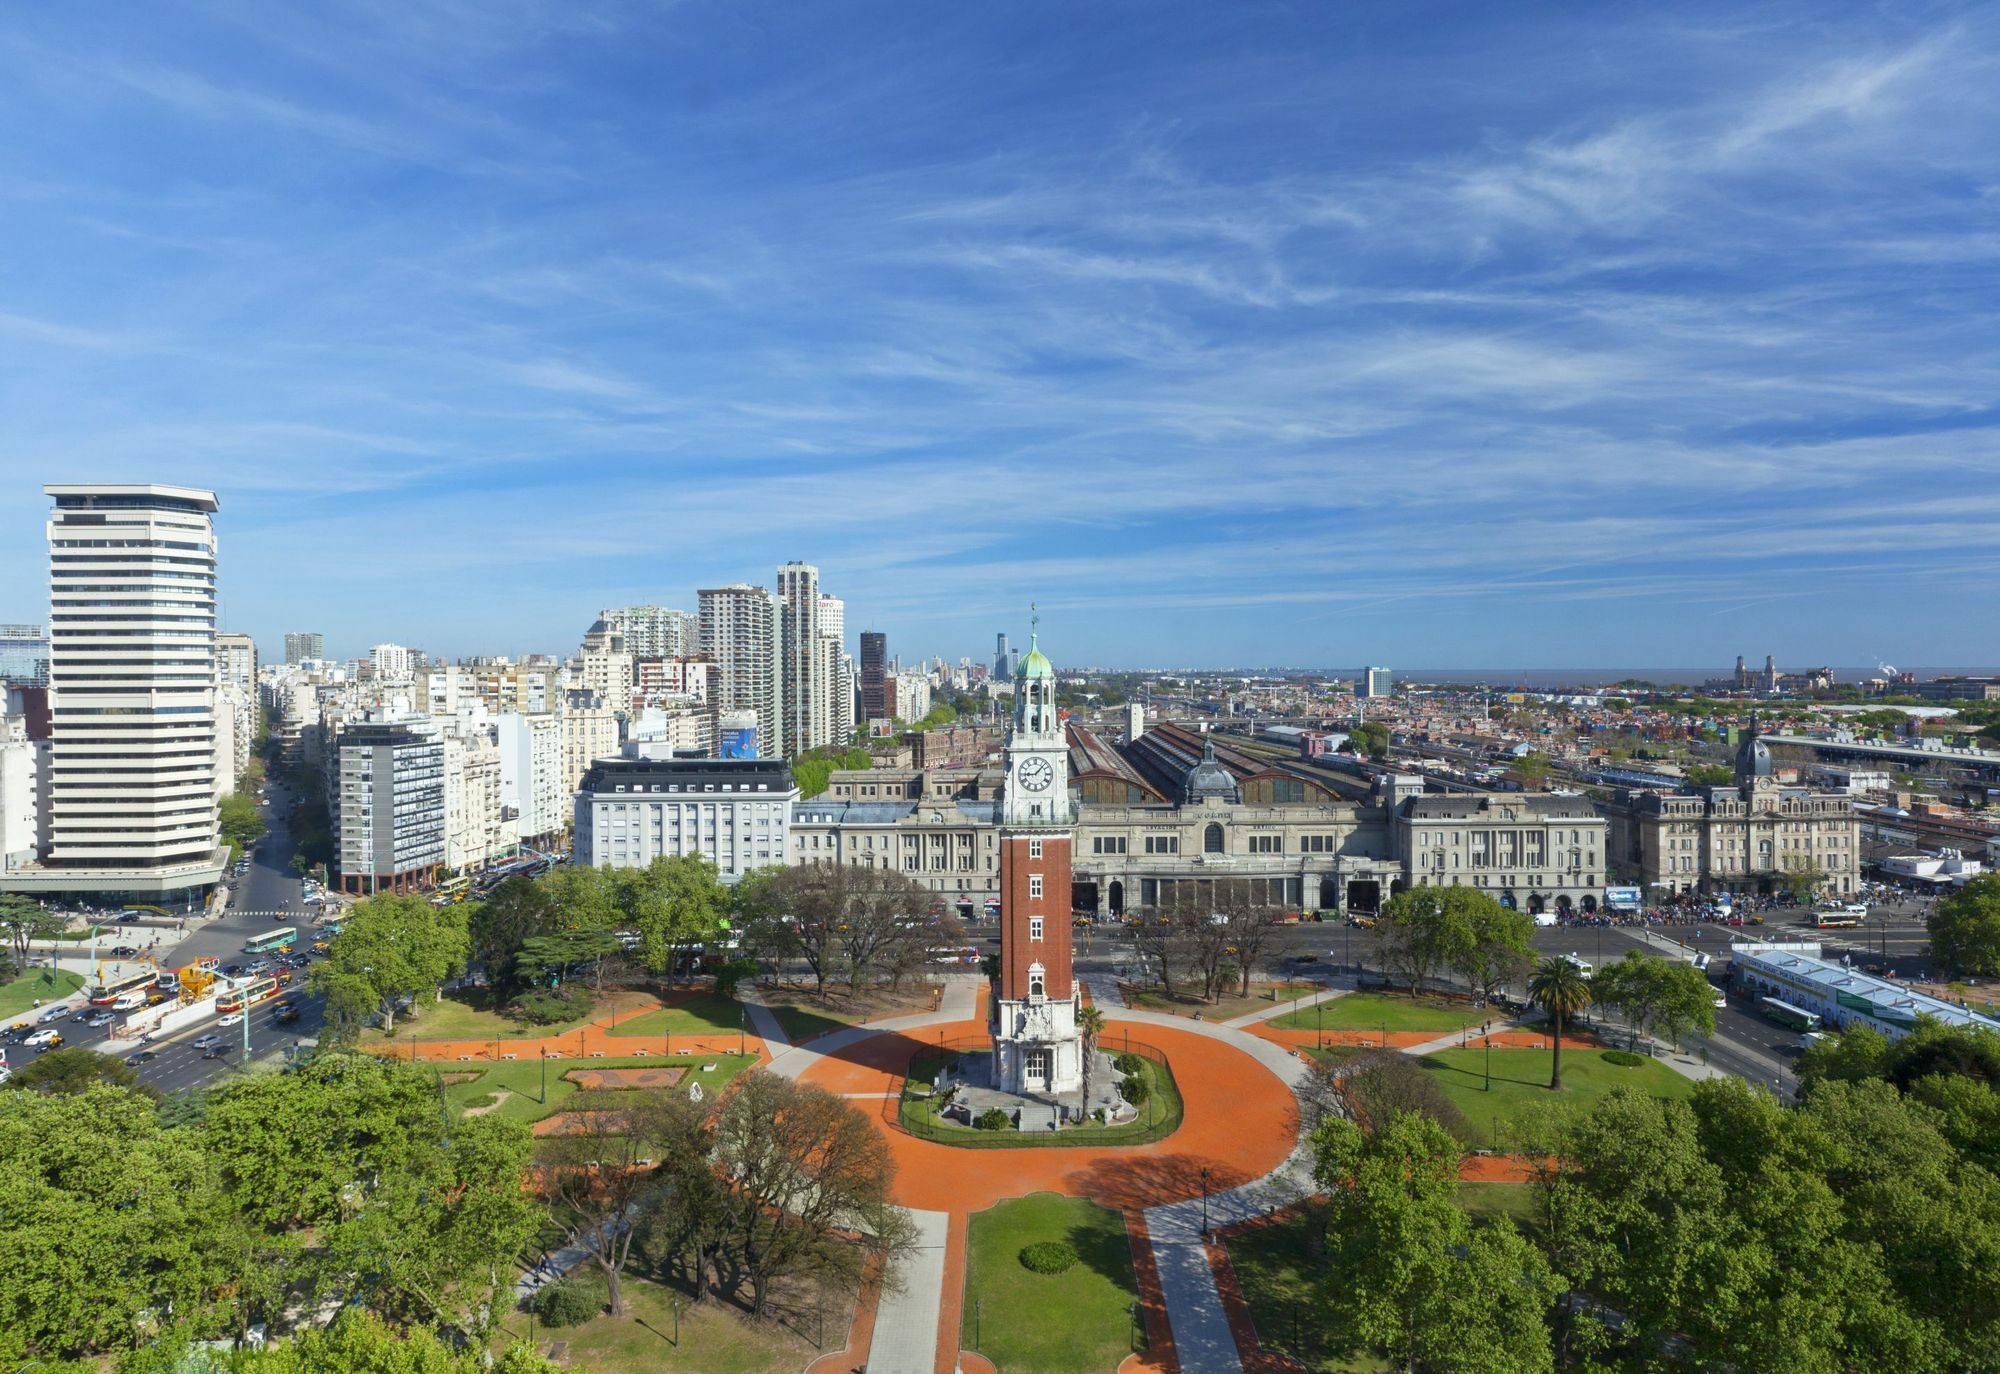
(500, 1096)
(452, 1080)
(627, 1078)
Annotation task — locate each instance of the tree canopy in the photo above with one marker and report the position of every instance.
(1965, 928)
(392, 947)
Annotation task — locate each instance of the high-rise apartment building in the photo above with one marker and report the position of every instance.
(390, 805)
(804, 660)
(24, 655)
(741, 633)
(132, 777)
(301, 645)
(874, 675)
(1376, 682)
(236, 661)
(654, 631)
(393, 663)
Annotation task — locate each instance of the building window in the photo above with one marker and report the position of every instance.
(1034, 849)
(1211, 839)
(1163, 844)
(1034, 884)
(1034, 927)
(1037, 987)
(1267, 844)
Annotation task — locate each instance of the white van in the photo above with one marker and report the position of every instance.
(131, 1001)
(1855, 909)
(1582, 966)
(1545, 918)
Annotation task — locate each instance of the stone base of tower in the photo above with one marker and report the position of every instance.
(1037, 1049)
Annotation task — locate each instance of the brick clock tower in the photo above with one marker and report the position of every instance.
(1036, 1047)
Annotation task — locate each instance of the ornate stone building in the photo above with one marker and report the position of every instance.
(1747, 838)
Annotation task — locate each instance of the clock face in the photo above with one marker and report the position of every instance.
(1035, 774)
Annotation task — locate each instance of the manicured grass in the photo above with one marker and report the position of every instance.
(523, 1078)
(804, 1015)
(714, 1338)
(1521, 1083)
(1375, 1011)
(1227, 1007)
(703, 1012)
(1077, 1322)
(1516, 1200)
(1159, 1117)
(471, 1014)
(19, 993)
(1283, 1286)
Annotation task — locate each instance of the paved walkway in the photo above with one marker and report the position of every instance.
(1278, 1009)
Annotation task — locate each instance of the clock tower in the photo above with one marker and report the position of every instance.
(1036, 1047)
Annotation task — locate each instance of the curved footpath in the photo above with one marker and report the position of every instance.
(1159, 1187)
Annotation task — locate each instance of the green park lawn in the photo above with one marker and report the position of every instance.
(522, 1080)
(1281, 1285)
(1226, 1007)
(1521, 1084)
(1374, 1011)
(698, 1012)
(19, 993)
(714, 1338)
(1077, 1322)
(471, 1014)
(1486, 1200)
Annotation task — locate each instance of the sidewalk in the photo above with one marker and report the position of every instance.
(1283, 1008)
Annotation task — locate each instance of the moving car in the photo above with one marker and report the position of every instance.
(202, 1042)
(51, 1015)
(215, 1052)
(47, 1038)
(138, 1057)
(230, 1019)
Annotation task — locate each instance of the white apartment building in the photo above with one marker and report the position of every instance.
(674, 729)
(389, 804)
(533, 784)
(808, 692)
(132, 778)
(589, 733)
(691, 681)
(654, 631)
(736, 813)
(393, 663)
(741, 632)
(477, 829)
(235, 728)
(304, 646)
(912, 692)
(23, 766)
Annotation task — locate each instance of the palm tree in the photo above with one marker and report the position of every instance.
(1559, 988)
(1091, 1022)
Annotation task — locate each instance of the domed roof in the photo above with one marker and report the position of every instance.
(1036, 664)
(1209, 779)
(1753, 757)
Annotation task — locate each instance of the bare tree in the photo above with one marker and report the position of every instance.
(797, 913)
(1250, 920)
(883, 923)
(809, 1175)
(596, 1188)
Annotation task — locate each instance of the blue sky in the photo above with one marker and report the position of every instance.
(1230, 333)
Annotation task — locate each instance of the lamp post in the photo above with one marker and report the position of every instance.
(741, 1013)
(545, 1075)
(1204, 1204)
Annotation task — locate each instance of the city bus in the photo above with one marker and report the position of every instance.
(246, 995)
(283, 938)
(1785, 1014)
(104, 994)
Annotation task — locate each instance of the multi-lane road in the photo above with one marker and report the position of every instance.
(176, 1063)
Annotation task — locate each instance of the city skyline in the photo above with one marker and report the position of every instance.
(1230, 339)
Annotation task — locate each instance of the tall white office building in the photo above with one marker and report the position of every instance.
(742, 634)
(807, 690)
(132, 659)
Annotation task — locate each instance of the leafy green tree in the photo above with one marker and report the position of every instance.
(1856, 1052)
(1533, 769)
(1559, 988)
(75, 1069)
(23, 920)
(675, 901)
(1803, 878)
(369, 1189)
(1370, 739)
(355, 1342)
(1668, 997)
(239, 821)
(108, 1220)
(582, 897)
(396, 946)
(1496, 947)
(1427, 929)
(551, 957)
(514, 912)
(1708, 774)
(1965, 928)
(1408, 1272)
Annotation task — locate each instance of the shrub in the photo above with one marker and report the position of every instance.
(993, 1119)
(482, 1100)
(546, 1006)
(1048, 1256)
(730, 974)
(569, 1301)
(1128, 1063)
(1136, 1089)
(1624, 1059)
(1380, 1083)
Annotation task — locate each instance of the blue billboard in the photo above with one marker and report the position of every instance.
(738, 743)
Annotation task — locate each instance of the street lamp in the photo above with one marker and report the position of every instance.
(1204, 1204)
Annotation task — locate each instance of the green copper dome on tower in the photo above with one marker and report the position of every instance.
(1035, 664)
